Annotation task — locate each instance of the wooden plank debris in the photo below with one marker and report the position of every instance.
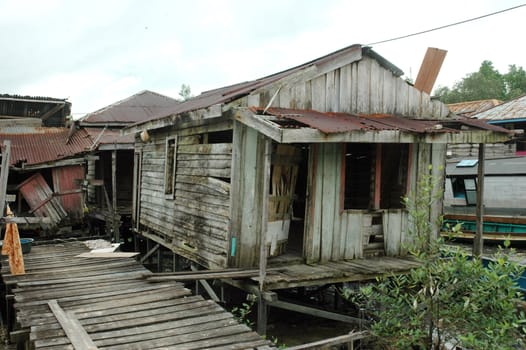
(429, 69)
(108, 255)
(76, 334)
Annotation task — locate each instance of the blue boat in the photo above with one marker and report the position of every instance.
(495, 228)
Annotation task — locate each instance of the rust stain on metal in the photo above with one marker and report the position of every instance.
(333, 122)
(36, 145)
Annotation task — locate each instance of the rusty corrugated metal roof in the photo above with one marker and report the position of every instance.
(105, 136)
(233, 92)
(499, 166)
(331, 122)
(139, 107)
(37, 145)
(469, 108)
(510, 110)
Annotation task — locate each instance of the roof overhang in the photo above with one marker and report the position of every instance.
(51, 164)
(306, 126)
(196, 116)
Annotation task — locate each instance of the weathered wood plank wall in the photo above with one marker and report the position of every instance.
(360, 87)
(246, 200)
(194, 222)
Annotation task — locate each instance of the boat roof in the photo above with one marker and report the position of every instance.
(497, 166)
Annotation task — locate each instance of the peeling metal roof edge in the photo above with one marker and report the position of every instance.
(368, 51)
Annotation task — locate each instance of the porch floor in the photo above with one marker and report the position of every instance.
(296, 274)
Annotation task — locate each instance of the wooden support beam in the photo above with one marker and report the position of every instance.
(315, 312)
(76, 334)
(478, 242)
(205, 275)
(4, 173)
(19, 336)
(264, 214)
(262, 317)
(26, 220)
(208, 288)
(262, 304)
(52, 111)
(150, 253)
(115, 223)
(346, 339)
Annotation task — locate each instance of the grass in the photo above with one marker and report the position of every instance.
(3, 337)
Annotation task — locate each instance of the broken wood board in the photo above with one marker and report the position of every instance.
(76, 334)
(107, 255)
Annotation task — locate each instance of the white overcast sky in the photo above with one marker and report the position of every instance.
(98, 52)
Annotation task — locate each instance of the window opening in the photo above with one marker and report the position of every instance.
(170, 167)
(359, 162)
(375, 171)
(465, 188)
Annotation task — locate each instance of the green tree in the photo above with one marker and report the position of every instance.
(515, 81)
(185, 92)
(449, 299)
(487, 83)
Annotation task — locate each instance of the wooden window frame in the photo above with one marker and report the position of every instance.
(170, 167)
(375, 195)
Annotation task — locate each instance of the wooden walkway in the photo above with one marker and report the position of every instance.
(304, 275)
(115, 305)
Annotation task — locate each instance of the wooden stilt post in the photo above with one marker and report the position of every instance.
(4, 173)
(115, 222)
(159, 258)
(478, 242)
(262, 305)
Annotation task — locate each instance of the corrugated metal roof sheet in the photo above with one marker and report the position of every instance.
(139, 107)
(31, 98)
(109, 136)
(331, 122)
(44, 144)
(500, 166)
(467, 109)
(233, 92)
(510, 110)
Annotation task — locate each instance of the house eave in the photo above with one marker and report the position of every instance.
(264, 125)
(213, 111)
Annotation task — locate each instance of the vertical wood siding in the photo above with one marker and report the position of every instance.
(246, 199)
(360, 87)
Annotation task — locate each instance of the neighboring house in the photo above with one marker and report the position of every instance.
(110, 170)
(470, 109)
(510, 115)
(46, 173)
(312, 160)
(44, 111)
(504, 172)
(504, 187)
(504, 198)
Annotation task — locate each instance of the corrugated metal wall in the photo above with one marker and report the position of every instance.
(67, 185)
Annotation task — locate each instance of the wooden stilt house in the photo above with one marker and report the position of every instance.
(110, 171)
(312, 161)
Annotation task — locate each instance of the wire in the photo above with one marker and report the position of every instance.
(447, 25)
